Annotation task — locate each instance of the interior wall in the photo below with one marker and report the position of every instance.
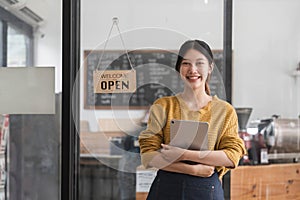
(48, 37)
(266, 52)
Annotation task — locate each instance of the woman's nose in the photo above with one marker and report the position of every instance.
(193, 66)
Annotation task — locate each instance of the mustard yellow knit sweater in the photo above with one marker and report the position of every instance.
(222, 132)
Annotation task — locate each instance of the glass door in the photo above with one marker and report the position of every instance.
(150, 32)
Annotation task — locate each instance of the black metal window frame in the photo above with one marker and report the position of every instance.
(7, 19)
(70, 100)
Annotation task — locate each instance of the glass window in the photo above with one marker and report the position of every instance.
(17, 48)
(1, 44)
(30, 142)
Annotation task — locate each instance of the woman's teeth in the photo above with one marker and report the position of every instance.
(193, 77)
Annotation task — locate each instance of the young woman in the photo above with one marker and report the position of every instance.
(177, 180)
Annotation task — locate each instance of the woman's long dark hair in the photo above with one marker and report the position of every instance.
(200, 46)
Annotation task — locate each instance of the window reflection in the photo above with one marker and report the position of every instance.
(17, 44)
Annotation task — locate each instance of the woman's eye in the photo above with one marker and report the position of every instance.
(185, 64)
(200, 63)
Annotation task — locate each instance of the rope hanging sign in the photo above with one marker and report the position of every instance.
(114, 81)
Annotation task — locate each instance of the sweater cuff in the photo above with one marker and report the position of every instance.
(147, 157)
(234, 157)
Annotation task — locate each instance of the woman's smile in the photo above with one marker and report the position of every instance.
(193, 77)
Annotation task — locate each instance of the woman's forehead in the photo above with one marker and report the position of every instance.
(193, 54)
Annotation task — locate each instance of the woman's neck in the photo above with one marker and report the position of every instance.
(195, 99)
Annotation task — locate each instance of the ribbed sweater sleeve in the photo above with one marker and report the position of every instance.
(229, 140)
(150, 140)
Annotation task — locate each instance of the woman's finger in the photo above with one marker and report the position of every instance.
(165, 146)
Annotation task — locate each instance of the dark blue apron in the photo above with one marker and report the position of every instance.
(177, 186)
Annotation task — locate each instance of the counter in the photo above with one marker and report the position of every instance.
(96, 180)
(276, 181)
(100, 161)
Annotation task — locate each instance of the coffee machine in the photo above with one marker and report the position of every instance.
(253, 138)
(243, 117)
(282, 138)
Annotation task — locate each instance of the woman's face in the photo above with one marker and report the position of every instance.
(195, 68)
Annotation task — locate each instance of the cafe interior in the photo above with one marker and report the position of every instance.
(78, 79)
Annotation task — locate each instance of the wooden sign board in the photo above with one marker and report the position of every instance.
(114, 81)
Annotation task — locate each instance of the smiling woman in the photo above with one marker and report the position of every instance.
(195, 61)
(225, 147)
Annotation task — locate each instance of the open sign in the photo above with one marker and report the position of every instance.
(114, 81)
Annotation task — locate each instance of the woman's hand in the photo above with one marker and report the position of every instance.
(171, 153)
(203, 170)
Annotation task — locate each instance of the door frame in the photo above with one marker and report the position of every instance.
(71, 98)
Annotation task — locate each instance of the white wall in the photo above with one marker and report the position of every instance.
(266, 51)
(48, 37)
